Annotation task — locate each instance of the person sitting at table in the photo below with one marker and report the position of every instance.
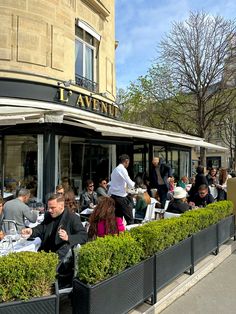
(202, 197)
(183, 182)
(102, 188)
(18, 211)
(88, 198)
(103, 220)
(142, 199)
(179, 204)
(60, 229)
(70, 202)
(211, 177)
(60, 189)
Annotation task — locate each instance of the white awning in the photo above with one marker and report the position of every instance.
(122, 131)
(14, 111)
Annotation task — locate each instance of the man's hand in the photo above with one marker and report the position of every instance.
(26, 232)
(63, 234)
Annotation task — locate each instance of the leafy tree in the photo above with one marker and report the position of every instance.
(197, 86)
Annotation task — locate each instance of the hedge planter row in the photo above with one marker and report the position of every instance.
(121, 293)
(47, 304)
(118, 294)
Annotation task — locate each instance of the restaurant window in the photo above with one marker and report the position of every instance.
(85, 59)
(80, 161)
(184, 164)
(21, 166)
(140, 160)
(159, 151)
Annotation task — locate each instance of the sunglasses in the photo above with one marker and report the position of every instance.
(90, 186)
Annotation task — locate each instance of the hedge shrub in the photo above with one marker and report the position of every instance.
(105, 257)
(25, 275)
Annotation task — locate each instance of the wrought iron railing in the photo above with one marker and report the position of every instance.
(86, 83)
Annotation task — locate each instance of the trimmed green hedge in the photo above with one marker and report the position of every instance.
(25, 275)
(105, 257)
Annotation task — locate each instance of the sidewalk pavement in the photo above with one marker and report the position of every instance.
(215, 294)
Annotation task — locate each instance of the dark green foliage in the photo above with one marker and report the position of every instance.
(25, 275)
(105, 257)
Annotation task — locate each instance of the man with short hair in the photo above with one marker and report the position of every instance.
(60, 229)
(17, 209)
(120, 180)
(202, 197)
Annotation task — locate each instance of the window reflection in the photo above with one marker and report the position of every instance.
(20, 163)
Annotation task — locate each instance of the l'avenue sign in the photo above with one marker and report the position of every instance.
(29, 90)
(87, 102)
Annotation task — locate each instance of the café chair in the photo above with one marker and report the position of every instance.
(9, 226)
(161, 211)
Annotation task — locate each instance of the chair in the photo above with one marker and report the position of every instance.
(9, 226)
(150, 214)
(162, 210)
(168, 215)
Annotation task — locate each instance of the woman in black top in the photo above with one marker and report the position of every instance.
(199, 180)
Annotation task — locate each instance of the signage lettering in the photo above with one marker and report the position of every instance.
(87, 102)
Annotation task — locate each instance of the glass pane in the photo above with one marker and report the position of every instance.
(174, 164)
(20, 157)
(80, 161)
(89, 63)
(78, 58)
(89, 38)
(184, 164)
(159, 151)
(79, 32)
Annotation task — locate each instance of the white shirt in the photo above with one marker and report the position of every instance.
(119, 181)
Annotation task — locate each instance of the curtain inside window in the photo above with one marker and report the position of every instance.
(89, 63)
(78, 58)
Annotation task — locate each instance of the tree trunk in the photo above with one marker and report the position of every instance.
(203, 156)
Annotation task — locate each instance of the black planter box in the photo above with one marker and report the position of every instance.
(118, 294)
(204, 242)
(47, 305)
(172, 262)
(226, 229)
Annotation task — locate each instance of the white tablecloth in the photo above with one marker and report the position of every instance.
(20, 246)
(87, 211)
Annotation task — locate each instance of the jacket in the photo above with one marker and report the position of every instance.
(71, 224)
(165, 171)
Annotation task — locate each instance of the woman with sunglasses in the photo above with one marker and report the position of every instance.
(88, 199)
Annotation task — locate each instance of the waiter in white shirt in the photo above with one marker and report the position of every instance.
(120, 180)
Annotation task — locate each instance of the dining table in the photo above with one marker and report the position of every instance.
(16, 243)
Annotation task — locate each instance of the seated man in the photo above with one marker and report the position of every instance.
(17, 209)
(88, 198)
(179, 204)
(202, 197)
(60, 229)
(102, 188)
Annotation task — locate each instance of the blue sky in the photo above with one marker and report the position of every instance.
(140, 24)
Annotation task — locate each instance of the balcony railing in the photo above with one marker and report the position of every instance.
(86, 83)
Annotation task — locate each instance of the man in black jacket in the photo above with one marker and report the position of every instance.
(202, 197)
(160, 177)
(60, 229)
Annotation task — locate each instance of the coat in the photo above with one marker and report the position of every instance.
(71, 224)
